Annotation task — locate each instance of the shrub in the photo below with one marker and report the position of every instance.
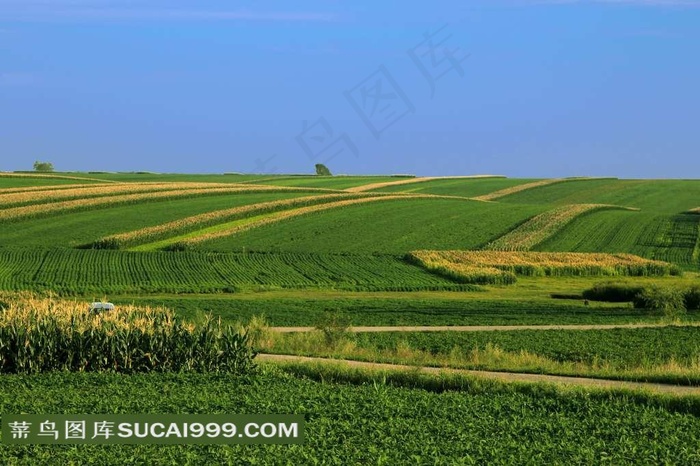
(692, 298)
(106, 243)
(613, 292)
(334, 326)
(180, 246)
(669, 301)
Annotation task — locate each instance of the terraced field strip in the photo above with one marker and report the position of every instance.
(84, 204)
(73, 271)
(527, 186)
(482, 328)
(158, 232)
(224, 230)
(59, 177)
(676, 390)
(464, 266)
(84, 192)
(371, 186)
(543, 226)
(56, 187)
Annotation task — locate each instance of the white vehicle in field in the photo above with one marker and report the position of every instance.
(101, 307)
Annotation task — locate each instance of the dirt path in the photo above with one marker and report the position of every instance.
(484, 328)
(500, 376)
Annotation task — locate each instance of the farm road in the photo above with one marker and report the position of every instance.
(499, 376)
(485, 328)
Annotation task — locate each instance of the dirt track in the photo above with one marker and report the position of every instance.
(500, 376)
(481, 328)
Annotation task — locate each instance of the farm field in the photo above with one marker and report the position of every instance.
(671, 354)
(481, 421)
(387, 227)
(308, 258)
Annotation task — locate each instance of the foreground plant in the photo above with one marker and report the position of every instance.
(45, 334)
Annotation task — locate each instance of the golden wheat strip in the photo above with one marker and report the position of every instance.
(371, 186)
(295, 213)
(146, 234)
(694, 211)
(543, 226)
(60, 177)
(40, 209)
(507, 259)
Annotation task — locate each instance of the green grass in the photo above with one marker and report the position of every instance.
(78, 228)
(670, 238)
(662, 196)
(297, 308)
(478, 423)
(394, 226)
(106, 271)
(458, 187)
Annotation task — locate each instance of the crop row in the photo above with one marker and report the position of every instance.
(56, 177)
(466, 264)
(389, 184)
(542, 226)
(91, 191)
(357, 418)
(200, 221)
(671, 238)
(517, 188)
(99, 271)
(32, 211)
(287, 214)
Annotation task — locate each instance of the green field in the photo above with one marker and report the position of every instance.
(78, 228)
(392, 424)
(672, 238)
(457, 187)
(100, 271)
(392, 226)
(349, 266)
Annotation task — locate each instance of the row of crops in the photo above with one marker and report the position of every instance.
(105, 271)
(373, 421)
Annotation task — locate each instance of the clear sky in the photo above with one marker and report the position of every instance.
(514, 87)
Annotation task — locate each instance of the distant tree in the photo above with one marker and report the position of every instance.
(43, 166)
(323, 170)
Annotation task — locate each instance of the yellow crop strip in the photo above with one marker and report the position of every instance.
(543, 226)
(471, 264)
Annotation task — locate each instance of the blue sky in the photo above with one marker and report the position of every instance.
(513, 87)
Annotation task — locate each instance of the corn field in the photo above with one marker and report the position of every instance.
(543, 226)
(45, 334)
(468, 264)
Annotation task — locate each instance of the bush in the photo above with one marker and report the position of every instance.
(613, 292)
(180, 246)
(106, 243)
(692, 298)
(334, 326)
(669, 301)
